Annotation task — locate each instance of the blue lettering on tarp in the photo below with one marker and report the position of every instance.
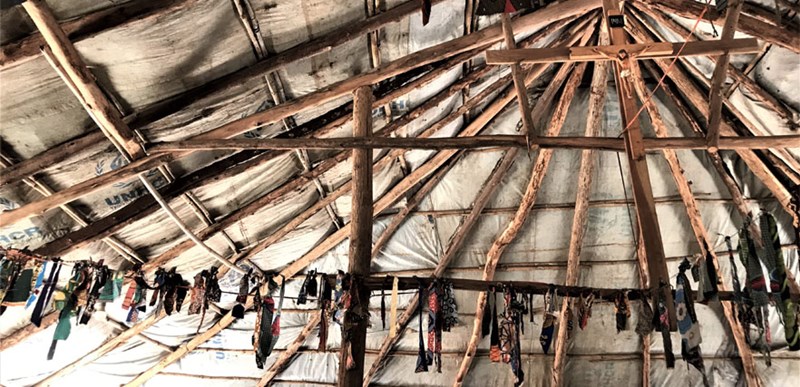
(20, 238)
(123, 198)
(220, 355)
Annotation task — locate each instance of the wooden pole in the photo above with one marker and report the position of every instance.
(720, 74)
(640, 176)
(594, 117)
(108, 117)
(519, 80)
(354, 331)
(529, 197)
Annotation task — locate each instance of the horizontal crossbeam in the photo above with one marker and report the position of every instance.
(638, 51)
(492, 141)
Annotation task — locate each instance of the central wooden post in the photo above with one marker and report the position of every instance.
(634, 148)
(360, 242)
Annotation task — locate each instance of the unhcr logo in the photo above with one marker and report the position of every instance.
(130, 190)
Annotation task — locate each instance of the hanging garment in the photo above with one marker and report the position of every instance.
(486, 321)
(66, 303)
(100, 276)
(644, 325)
(302, 297)
(494, 339)
(241, 297)
(82, 291)
(687, 321)
(213, 292)
(383, 309)
(434, 353)
(447, 300)
(756, 289)
(262, 336)
(9, 271)
(570, 320)
(198, 296)
(622, 311)
(548, 326)
(738, 297)
(340, 298)
(510, 334)
(422, 361)
(19, 292)
(662, 322)
(107, 292)
(311, 287)
(276, 321)
(48, 288)
(325, 306)
(38, 283)
(585, 309)
(158, 286)
(779, 281)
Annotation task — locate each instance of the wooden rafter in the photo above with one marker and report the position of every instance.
(519, 80)
(100, 108)
(696, 97)
(720, 74)
(698, 228)
(594, 117)
(529, 197)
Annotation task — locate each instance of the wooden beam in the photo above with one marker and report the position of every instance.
(747, 24)
(82, 189)
(698, 228)
(720, 74)
(107, 116)
(528, 199)
(639, 51)
(354, 330)
(519, 80)
(473, 142)
(594, 117)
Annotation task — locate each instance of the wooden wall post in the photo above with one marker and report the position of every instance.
(354, 336)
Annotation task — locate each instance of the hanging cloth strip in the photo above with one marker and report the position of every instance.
(9, 271)
(37, 286)
(548, 326)
(158, 285)
(756, 289)
(447, 300)
(570, 320)
(422, 361)
(510, 334)
(20, 290)
(709, 278)
(267, 327)
(530, 308)
(622, 311)
(383, 304)
(276, 322)
(661, 321)
(687, 321)
(67, 302)
(434, 353)
(585, 309)
(486, 321)
(779, 281)
(324, 309)
(100, 277)
(644, 325)
(198, 297)
(393, 308)
(494, 339)
(738, 298)
(241, 297)
(48, 288)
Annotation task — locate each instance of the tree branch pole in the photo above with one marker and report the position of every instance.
(354, 330)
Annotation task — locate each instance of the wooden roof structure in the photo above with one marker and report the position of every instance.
(159, 132)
